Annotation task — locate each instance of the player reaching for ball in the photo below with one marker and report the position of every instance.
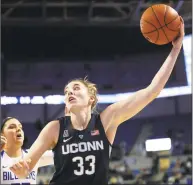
(82, 141)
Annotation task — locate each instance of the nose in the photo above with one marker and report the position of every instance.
(70, 92)
(18, 129)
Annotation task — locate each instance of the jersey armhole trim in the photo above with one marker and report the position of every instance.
(2, 153)
(53, 149)
(104, 132)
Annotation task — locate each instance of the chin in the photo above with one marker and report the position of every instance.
(75, 108)
(19, 142)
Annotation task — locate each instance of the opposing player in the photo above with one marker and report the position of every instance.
(12, 137)
(81, 141)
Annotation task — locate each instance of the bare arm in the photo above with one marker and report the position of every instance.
(121, 111)
(45, 141)
(46, 159)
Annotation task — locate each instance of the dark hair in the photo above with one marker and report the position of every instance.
(4, 121)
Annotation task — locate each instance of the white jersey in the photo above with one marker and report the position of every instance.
(8, 177)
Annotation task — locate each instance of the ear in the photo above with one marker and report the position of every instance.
(92, 99)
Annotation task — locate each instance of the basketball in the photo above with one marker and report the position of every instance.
(160, 24)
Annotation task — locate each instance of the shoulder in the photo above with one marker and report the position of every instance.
(95, 118)
(50, 131)
(53, 124)
(62, 120)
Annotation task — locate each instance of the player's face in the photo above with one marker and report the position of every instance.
(13, 132)
(77, 96)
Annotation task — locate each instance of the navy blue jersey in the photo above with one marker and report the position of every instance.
(81, 157)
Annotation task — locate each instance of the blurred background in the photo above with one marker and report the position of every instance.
(45, 43)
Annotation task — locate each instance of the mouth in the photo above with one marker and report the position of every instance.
(70, 99)
(19, 136)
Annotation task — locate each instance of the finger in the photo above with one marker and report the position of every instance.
(14, 167)
(3, 136)
(4, 140)
(182, 20)
(15, 171)
(18, 165)
(22, 163)
(182, 23)
(25, 163)
(28, 161)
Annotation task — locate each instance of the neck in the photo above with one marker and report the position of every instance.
(80, 119)
(13, 151)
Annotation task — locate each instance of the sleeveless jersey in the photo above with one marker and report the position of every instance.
(81, 157)
(8, 177)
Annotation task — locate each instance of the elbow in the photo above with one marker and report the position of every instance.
(153, 92)
(156, 88)
(156, 93)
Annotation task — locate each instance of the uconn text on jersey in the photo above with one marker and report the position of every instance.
(82, 147)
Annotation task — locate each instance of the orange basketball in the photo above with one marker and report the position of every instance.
(160, 24)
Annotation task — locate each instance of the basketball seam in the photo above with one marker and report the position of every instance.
(152, 25)
(174, 30)
(170, 22)
(160, 23)
(166, 24)
(153, 30)
(166, 11)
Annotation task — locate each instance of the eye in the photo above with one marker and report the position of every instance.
(76, 88)
(11, 127)
(65, 92)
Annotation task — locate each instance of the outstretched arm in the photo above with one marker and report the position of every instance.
(119, 112)
(46, 140)
(46, 159)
